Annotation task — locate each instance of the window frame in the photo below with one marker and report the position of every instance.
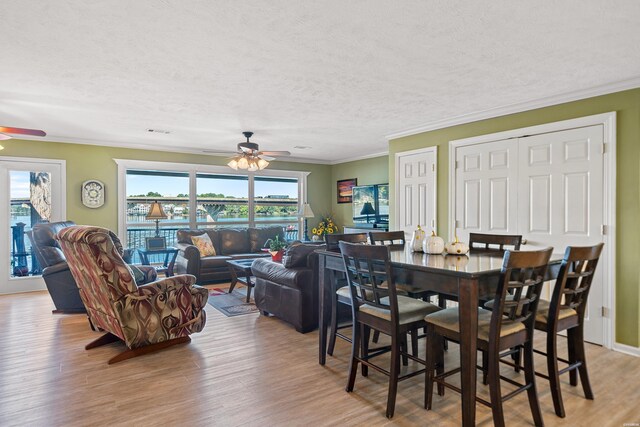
(193, 169)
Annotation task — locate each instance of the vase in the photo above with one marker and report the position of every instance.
(315, 238)
(276, 256)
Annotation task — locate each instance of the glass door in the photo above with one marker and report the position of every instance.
(32, 191)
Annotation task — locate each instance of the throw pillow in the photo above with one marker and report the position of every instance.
(204, 245)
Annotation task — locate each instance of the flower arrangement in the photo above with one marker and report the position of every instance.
(325, 226)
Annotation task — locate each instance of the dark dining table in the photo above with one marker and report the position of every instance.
(469, 277)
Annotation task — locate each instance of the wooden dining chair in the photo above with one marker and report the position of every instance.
(565, 312)
(376, 305)
(396, 239)
(494, 242)
(508, 326)
(342, 294)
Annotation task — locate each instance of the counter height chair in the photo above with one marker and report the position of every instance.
(342, 294)
(508, 326)
(566, 312)
(376, 305)
(494, 242)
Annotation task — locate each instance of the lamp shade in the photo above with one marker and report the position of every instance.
(155, 211)
(306, 211)
(367, 209)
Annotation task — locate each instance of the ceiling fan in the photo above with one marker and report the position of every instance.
(6, 132)
(249, 155)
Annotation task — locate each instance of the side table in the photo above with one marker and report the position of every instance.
(169, 253)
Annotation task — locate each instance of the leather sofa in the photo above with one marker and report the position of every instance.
(289, 290)
(55, 270)
(229, 243)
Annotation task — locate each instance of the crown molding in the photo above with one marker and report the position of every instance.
(505, 110)
(364, 157)
(152, 147)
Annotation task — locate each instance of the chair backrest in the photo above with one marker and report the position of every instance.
(99, 271)
(46, 247)
(494, 242)
(574, 280)
(387, 238)
(522, 277)
(370, 278)
(333, 239)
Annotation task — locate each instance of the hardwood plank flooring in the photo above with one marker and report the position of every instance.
(247, 370)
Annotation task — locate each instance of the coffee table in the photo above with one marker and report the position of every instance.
(240, 270)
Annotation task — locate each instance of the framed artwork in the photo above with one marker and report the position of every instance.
(345, 192)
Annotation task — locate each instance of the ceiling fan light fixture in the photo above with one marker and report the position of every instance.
(233, 164)
(262, 163)
(243, 163)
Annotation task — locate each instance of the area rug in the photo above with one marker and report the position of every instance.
(231, 304)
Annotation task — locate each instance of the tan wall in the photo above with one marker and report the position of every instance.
(627, 106)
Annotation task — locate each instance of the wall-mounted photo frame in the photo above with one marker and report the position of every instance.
(156, 243)
(345, 192)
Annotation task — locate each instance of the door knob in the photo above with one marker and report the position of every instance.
(524, 241)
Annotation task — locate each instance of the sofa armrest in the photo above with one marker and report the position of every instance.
(188, 255)
(296, 277)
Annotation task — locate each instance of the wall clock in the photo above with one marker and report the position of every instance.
(93, 193)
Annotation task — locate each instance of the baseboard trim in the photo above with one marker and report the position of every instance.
(627, 349)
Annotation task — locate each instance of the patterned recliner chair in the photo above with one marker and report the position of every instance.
(56, 273)
(146, 318)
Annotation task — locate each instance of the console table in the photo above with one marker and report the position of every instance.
(169, 253)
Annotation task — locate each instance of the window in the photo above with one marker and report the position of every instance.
(198, 196)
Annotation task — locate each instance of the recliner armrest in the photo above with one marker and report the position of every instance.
(56, 268)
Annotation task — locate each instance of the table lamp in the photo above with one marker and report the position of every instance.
(305, 213)
(367, 210)
(156, 213)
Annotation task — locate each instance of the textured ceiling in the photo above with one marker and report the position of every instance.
(336, 76)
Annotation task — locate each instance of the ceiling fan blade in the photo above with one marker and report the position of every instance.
(4, 137)
(22, 131)
(267, 158)
(275, 153)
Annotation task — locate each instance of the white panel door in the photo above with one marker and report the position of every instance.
(560, 200)
(416, 190)
(486, 176)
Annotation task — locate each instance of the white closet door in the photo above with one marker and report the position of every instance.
(486, 176)
(416, 190)
(560, 200)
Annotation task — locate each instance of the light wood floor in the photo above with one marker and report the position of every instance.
(245, 370)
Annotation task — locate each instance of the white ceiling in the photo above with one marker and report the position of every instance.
(336, 76)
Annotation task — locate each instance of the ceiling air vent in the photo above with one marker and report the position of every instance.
(165, 132)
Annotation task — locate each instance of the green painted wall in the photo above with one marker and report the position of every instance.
(368, 171)
(627, 106)
(96, 162)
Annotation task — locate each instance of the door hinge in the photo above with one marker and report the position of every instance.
(433, 167)
(456, 165)
(604, 311)
(604, 148)
(603, 229)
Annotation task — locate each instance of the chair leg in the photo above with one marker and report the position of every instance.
(485, 368)
(414, 342)
(554, 376)
(530, 378)
(516, 358)
(135, 352)
(376, 336)
(494, 388)
(334, 327)
(353, 363)
(103, 340)
(571, 350)
(364, 346)
(438, 348)
(404, 349)
(434, 361)
(576, 337)
(394, 372)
